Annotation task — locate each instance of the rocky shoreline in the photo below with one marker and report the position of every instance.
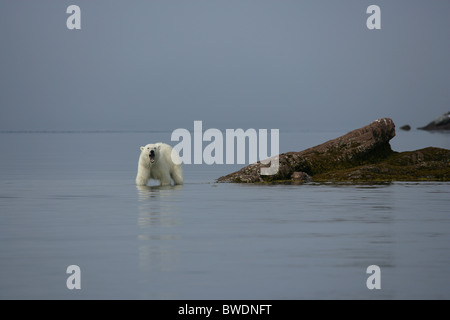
(438, 124)
(362, 155)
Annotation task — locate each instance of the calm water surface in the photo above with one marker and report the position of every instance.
(70, 198)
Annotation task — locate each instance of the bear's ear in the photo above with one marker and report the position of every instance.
(159, 147)
(142, 148)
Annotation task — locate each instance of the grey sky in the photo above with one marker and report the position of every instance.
(232, 63)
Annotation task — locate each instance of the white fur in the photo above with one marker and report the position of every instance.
(166, 166)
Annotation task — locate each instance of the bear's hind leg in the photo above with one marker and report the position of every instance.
(177, 175)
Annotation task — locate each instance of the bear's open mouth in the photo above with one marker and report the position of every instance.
(152, 156)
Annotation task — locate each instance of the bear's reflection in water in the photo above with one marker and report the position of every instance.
(159, 222)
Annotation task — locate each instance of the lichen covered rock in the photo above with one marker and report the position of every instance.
(360, 155)
(357, 147)
(429, 164)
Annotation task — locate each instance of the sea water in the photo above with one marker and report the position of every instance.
(69, 198)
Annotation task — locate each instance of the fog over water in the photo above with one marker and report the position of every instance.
(76, 105)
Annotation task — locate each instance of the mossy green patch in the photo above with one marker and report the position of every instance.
(430, 164)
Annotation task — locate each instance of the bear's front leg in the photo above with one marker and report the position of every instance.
(165, 180)
(141, 181)
(143, 176)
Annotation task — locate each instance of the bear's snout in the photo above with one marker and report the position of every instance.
(152, 156)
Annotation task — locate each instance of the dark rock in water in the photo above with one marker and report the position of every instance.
(406, 127)
(355, 148)
(441, 123)
(362, 155)
(301, 177)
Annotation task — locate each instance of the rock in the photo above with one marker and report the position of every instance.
(357, 147)
(406, 127)
(301, 177)
(429, 164)
(441, 123)
(362, 155)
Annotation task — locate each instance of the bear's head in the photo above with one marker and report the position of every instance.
(151, 152)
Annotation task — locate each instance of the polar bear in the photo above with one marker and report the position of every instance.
(159, 161)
